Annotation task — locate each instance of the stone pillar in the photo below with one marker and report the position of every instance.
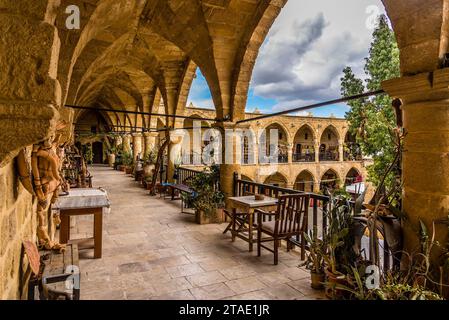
(290, 153)
(118, 141)
(137, 145)
(149, 141)
(316, 186)
(30, 94)
(341, 150)
(229, 165)
(127, 143)
(425, 163)
(317, 151)
(174, 153)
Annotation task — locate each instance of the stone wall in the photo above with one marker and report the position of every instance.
(18, 222)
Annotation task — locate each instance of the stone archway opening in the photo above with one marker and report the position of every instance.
(276, 180)
(305, 182)
(192, 152)
(304, 145)
(329, 181)
(275, 140)
(329, 144)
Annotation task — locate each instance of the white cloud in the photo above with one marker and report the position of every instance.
(307, 48)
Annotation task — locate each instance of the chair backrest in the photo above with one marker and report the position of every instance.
(292, 214)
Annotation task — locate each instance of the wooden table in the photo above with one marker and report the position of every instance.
(248, 204)
(83, 202)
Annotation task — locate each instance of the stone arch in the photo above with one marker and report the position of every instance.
(305, 181)
(352, 176)
(246, 178)
(304, 144)
(280, 152)
(277, 179)
(329, 144)
(330, 180)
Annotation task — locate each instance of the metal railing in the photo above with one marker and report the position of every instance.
(300, 157)
(329, 156)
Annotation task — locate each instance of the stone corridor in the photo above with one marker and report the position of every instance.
(152, 251)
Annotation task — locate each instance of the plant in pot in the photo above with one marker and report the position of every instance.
(112, 151)
(339, 255)
(149, 160)
(207, 200)
(315, 260)
(127, 160)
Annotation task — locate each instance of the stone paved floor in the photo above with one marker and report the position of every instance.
(152, 251)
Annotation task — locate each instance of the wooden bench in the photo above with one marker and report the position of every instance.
(59, 276)
(182, 188)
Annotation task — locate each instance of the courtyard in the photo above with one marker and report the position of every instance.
(224, 149)
(152, 251)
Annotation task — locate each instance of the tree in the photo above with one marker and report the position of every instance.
(372, 120)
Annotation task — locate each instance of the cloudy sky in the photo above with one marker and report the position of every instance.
(302, 59)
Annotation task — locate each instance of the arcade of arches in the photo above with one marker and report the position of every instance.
(131, 55)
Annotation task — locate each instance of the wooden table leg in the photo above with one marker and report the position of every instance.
(234, 211)
(250, 232)
(98, 233)
(64, 232)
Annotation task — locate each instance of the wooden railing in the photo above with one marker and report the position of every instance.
(185, 174)
(319, 204)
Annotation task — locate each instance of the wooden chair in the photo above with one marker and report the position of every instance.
(240, 217)
(290, 220)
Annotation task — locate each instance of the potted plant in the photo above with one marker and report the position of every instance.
(88, 154)
(339, 255)
(149, 161)
(207, 200)
(127, 160)
(315, 260)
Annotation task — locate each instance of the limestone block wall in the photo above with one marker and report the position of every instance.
(18, 222)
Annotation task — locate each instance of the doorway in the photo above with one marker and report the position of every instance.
(97, 149)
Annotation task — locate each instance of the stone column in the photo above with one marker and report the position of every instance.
(425, 163)
(341, 150)
(149, 141)
(317, 151)
(174, 152)
(118, 141)
(137, 145)
(229, 165)
(127, 143)
(290, 153)
(30, 94)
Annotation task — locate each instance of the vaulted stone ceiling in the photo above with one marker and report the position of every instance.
(127, 50)
(132, 54)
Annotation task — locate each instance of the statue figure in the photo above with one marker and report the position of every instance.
(43, 181)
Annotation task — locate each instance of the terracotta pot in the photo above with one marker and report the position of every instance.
(317, 280)
(128, 170)
(111, 160)
(202, 218)
(332, 281)
(148, 170)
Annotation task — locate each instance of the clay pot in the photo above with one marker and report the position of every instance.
(317, 280)
(202, 218)
(332, 292)
(111, 160)
(128, 170)
(148, 170)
